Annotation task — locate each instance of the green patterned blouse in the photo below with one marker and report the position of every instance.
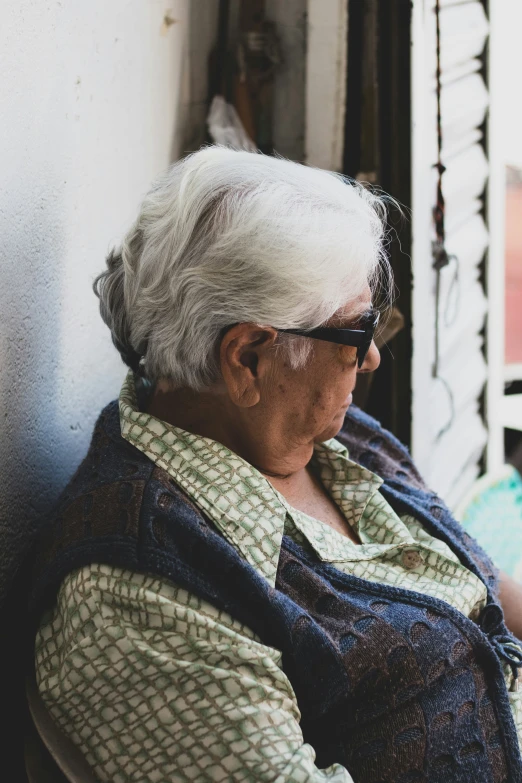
(154, 684)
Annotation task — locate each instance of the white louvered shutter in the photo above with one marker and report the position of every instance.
(448, 431)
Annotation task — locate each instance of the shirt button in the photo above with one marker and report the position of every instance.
(411, 559)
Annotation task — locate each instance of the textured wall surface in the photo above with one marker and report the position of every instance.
(91, 96)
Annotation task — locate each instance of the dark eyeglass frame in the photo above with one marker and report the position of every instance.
(356, 338)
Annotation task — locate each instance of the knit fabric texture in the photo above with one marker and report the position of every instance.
(391, 684)
(120, 652)
(253, 516)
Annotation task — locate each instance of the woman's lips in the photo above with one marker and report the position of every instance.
(348, 401)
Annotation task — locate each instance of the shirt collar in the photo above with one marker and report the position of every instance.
(238, 499)
(241, 502)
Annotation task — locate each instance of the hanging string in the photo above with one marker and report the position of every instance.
(441, 258)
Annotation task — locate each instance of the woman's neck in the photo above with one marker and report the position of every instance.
(256, 441)
(248, 433)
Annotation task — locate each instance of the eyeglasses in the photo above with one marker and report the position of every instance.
(360, 338)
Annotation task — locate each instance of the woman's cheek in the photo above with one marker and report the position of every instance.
(347, 356)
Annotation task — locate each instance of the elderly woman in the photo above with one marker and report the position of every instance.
(228, 591)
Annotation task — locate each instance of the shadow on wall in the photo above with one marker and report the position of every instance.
(91, 95)
(29, 360)
(30, 259)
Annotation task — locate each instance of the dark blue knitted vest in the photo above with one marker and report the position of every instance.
(396, 686)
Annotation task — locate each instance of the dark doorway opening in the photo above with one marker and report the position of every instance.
(377, 150)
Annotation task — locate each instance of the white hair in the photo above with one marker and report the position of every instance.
(226, 237)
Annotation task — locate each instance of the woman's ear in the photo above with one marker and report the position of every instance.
(246, 356)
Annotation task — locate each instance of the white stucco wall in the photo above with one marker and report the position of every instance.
(91, 97)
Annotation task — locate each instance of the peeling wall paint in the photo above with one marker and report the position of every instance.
(90, 97)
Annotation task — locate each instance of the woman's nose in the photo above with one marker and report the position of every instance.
(371, 360)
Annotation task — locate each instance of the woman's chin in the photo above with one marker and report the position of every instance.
(336, 422)
(333, 428)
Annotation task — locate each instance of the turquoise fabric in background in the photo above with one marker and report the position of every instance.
(492, 514)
